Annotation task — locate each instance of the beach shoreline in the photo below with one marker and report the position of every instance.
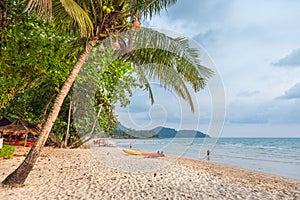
(96, 174)
(269, 155)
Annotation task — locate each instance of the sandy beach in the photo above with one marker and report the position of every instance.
(108, 173)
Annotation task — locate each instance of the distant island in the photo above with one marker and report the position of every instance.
(158, 132)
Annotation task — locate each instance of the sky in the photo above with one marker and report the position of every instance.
(255, 50)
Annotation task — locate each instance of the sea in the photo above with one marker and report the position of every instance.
(278, 156)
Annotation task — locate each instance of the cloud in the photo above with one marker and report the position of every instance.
(209, 38)
(249, 120)
(243, 47)
(168, 107)
(246, 113)
(292, 93)
(192, 17)
(248, 93)
(270, 112)
(285, 112)
(204, 12)
(291, 60)
(294, 113)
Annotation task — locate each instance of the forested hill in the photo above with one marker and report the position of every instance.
(159, 132)
(164, 132)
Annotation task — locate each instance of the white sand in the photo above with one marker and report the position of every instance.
(108, 173)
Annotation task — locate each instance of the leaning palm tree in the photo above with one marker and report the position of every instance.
(97, 20)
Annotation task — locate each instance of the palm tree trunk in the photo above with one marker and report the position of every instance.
(19, 176)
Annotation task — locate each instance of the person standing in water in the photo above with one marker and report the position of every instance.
(208, 154)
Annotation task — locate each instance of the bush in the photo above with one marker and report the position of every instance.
(7, 151)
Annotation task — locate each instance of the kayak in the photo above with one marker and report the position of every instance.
(133, 152)
(143, 153)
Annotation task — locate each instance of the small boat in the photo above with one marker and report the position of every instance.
(143, 153)
(133, 152)
(148, 154)
(20, 142)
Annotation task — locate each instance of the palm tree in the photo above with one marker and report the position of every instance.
(175, 63)
(97, 20)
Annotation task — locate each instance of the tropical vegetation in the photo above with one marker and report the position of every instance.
(7, 151)
(88, 24)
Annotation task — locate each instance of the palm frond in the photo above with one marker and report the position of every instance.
(149, 8)
(77, 13)
(150, 46)
(169, 78)
(144, 81)
(42, 7)
(169, 60)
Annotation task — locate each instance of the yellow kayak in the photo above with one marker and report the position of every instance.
(143, 153)
(133, 152)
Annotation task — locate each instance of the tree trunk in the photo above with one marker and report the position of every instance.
(68, 127)
(19, 176)
(3, 25)
(96, 120)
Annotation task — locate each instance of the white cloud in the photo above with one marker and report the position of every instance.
(192, 17)
(267, 112)
(291, 60)
(292, 93)
(248, 93)
(241, 112)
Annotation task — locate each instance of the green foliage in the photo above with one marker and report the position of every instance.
(148, 8)
(104, 80)
(114, 77)
(35, 60)
(7, 151)
(126, 134)
(31, 54)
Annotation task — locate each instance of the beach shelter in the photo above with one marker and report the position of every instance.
(10, 127)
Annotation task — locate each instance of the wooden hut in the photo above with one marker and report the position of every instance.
(17, 131)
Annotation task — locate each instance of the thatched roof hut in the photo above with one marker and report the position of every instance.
(11, 125)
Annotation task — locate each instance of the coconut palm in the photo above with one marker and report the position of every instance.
(175, 63)
(97, 20)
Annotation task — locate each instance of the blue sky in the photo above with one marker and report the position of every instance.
(255, 47)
